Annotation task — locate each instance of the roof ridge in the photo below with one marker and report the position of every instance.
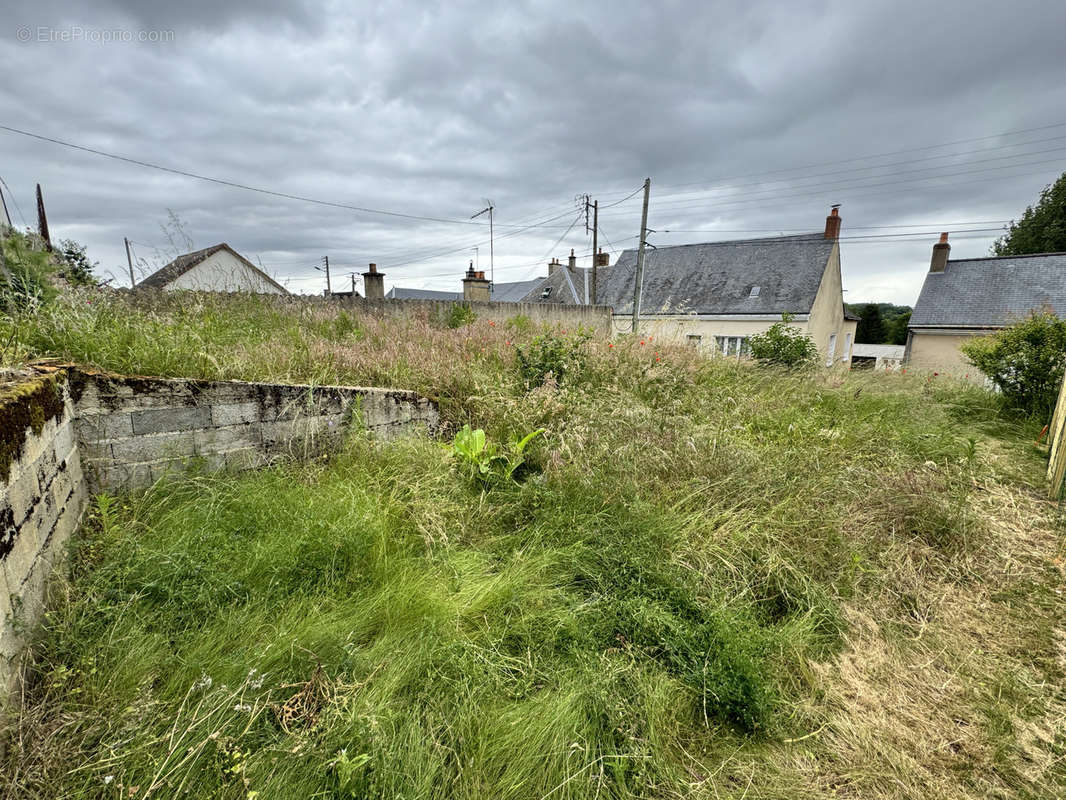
(1001, 258)
(761, 240)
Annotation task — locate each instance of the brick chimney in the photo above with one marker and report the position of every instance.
(572, 262)
(832, 224)
(602, 259)
(941, 251)
(374, 284)
(552, 266)
(475, 286)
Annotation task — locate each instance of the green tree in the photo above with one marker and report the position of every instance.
(784, 345)
(871, 328)
(897, 329)
(1042, 228)
(1025, 361)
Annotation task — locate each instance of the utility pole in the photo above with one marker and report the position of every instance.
(329, 287)
(353, 285)
(3, 202)
(492, 255)
(595, 249)
(42, 221)
(638, 278)
(129, 260)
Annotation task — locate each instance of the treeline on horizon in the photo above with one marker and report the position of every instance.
(880, 323)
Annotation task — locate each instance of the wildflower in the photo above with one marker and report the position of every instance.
(108, 779)
(641, 342)
(610, 344)
(935, 374)
(492, 323)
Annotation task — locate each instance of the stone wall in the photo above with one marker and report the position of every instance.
(131, 431)
(66, 434)
(42, 497)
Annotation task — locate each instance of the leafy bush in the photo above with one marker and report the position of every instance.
(783, 345)
(554, 354)
(460, 315)
(27, 284)
(483, 460)
(76, 268)
(1025, 361)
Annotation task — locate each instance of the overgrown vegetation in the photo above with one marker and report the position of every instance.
(784, 346)
(1041, 229)
(1026, 361)
(26, 278)
(880, 323)
(712, 580)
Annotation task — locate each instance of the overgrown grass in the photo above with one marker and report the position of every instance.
(712, 581)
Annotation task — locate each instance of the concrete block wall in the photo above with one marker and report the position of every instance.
(132, 431)
(66, 434)
(43, 494)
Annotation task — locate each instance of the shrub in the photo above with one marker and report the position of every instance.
(1025, 361)
(27, 284)
(554, 354)
(76, 268)
(784, 346)
(460, 315)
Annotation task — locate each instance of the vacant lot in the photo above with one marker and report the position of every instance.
(706, 580)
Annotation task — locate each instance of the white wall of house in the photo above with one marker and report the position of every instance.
(932, 350)
(223, 272)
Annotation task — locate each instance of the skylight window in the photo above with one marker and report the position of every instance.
(754, 291)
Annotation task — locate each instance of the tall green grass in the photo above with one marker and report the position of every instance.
(650, 612)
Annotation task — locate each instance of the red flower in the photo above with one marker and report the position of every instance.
(641, 342)
(493, 324)
(935, 374)
(610, 345)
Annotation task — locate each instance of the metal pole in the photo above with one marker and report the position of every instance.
(329, 287)
(595, 242)
(638, 278)
(129, 260)
(492, 254)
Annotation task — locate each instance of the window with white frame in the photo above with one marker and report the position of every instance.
(847, 347)
(694, 340)
(832, 350)
(736, 346)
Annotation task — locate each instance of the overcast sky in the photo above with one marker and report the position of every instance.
(750, 118)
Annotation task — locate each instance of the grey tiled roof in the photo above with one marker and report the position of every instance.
(717, 277)
(513, 292)
(991, 292)
(567, 292)
(179, 266)
(400, 293)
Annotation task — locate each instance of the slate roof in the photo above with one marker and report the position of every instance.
(166, 275)
(717, 277)
(501, 292)
(567, 292)
(991, 292)
(400, 293)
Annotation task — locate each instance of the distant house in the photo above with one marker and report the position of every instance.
(498, 292)
(716, 295)
(877, 356)
(971, 297)
(219, 268)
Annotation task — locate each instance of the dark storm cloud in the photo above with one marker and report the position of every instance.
(428, 108)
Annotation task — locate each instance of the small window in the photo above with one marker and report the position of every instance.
(832, 349)
(754, 291)
(546, 293)
(694, 340)
(737, 346)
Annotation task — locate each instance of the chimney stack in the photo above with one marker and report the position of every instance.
(552, 266)
(373, 284)
(475, 287)
(572, 263)
(832, 224)
(602, 259)
(941, 251)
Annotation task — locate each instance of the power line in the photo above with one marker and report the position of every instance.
(866, 157)
(11, 194)
(235, 185)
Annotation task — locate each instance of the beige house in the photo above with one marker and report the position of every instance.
(716, 295)
(971, 297)
(219, 268)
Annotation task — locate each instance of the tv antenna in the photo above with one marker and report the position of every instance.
(492, 258)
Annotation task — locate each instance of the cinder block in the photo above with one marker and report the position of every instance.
(24, 549)
(121, 477)
(23, 494)
(245, 458)
(234, 413)
(213, 440)
(104, 425)
(153, 447)
(163, 420)
(63, 442)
